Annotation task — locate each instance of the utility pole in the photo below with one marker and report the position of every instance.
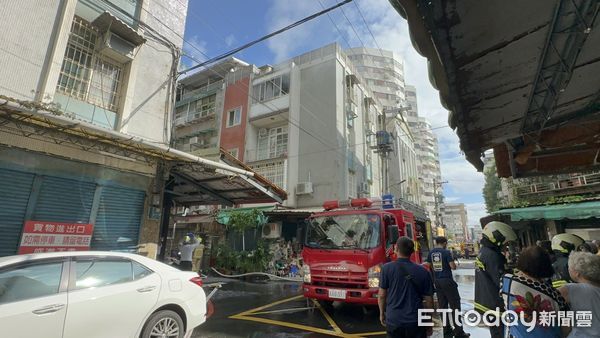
(438, 215)
(384, 147)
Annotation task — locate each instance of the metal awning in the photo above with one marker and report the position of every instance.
(196, 181)
(582, 210)
(519, 78)
(106, 21)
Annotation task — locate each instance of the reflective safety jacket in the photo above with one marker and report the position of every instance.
(561, 275)
(489, 269)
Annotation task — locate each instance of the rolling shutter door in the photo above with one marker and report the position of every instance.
(64, 200)
(119, 216)
(15, 187)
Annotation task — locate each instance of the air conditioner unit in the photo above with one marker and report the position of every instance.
(263, 132)
(115, 47)
(304, 188)
(194, 140)
(271, 230)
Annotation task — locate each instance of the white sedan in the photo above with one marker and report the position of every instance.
(97, 295)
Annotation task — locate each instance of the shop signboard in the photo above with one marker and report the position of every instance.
(42, 236)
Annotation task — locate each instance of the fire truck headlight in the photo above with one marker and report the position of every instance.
(373, 276)
(306, 273)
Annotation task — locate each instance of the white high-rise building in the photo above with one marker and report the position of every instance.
(383, 72)
(426, 148)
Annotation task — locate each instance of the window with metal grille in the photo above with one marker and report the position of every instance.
(352, 185)
(273, 171)
(273, 143)
(86, 75)
(204, 106)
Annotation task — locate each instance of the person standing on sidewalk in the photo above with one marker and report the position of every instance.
(404, 288)
(187, 248)
(441, 262)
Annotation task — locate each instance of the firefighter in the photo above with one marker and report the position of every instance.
(490, 265)
(562, 245)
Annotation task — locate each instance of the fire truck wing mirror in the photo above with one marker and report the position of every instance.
(392, 234)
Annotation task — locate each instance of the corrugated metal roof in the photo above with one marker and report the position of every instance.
(514, 76)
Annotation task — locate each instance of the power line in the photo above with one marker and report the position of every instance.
(353, 28)
(270, 35)
(368, 28)
(336, 26)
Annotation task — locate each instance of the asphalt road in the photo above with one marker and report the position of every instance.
(277, 309)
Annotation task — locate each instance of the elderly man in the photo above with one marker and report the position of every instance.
(584, 295)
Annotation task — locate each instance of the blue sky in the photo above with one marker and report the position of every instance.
(214, 27)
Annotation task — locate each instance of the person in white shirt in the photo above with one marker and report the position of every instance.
(187, 248)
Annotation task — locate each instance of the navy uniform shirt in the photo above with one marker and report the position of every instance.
(440, 262)
(404, 298)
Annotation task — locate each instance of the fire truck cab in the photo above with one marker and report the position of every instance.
(347, 244)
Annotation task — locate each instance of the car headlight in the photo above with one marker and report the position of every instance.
(306, 273)
(373, 276)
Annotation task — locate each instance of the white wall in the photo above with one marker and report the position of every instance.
(31, 30)
(33, 42)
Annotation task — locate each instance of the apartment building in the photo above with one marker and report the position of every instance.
(455, 219)
(383, 72)
(86, 99)
(307, 124)
(428, 163)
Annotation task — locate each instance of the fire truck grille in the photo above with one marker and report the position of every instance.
(351, 280)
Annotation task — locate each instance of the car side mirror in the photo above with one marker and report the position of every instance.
(392, 234)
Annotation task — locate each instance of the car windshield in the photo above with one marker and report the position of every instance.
(344, 232)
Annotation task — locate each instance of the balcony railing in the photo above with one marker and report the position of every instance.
(194, 117)
(206, 89)
(572, 183)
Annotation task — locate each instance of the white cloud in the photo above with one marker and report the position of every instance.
(230, 40)
(461, 176)
(475, 211)
(195, 48)
(282, 13)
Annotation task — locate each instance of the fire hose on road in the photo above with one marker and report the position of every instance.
(297, 280)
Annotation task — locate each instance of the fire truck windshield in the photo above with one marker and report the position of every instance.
(360, 231)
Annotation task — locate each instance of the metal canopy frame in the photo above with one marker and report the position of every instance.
(570, 28)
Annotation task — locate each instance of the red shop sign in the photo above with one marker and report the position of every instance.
(41, 236)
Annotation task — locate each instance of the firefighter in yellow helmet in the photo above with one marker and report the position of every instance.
(562, 245)
(490, 266)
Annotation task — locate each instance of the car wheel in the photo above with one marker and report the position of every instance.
(164, 324)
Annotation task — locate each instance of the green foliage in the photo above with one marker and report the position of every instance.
(242, 220)
(491, 189)
(564, 199)
(239, 262)
(520, 203)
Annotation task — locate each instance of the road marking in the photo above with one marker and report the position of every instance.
(335, 327)
(293, 309)
(270, 305)
(292, 325)
(336, 332)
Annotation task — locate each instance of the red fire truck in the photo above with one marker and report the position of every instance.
(346, 246)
